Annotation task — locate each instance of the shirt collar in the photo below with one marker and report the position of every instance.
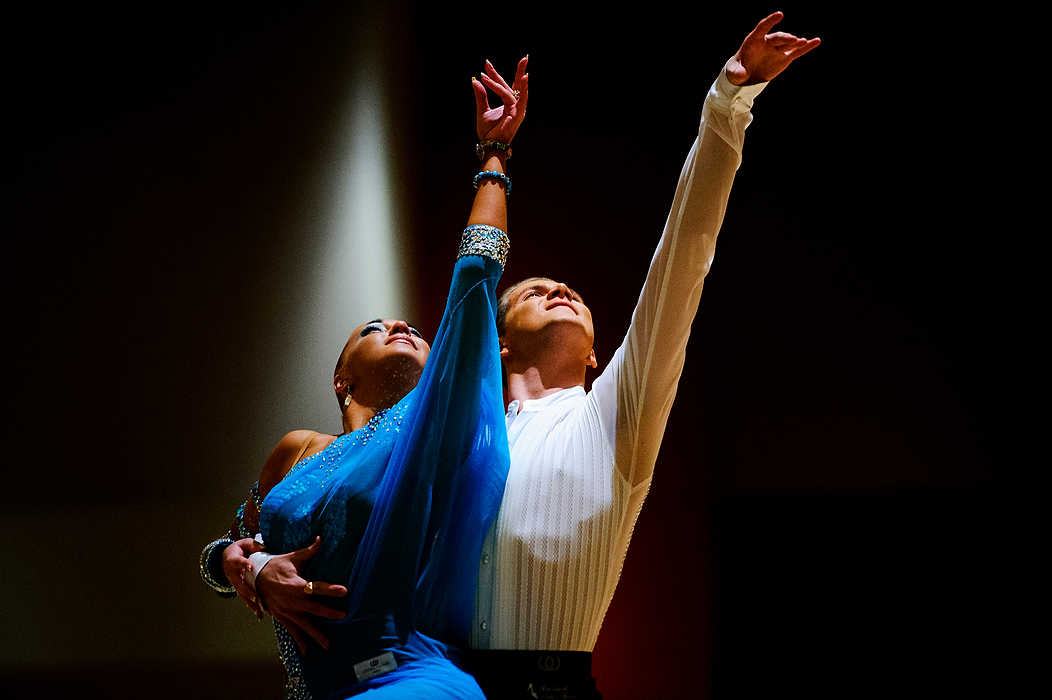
(545, 401)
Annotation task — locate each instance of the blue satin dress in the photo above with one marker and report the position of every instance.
(402, 506)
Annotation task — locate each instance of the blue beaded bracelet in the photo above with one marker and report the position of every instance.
(493, 175)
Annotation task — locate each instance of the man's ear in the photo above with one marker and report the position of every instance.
(591, 359)
(504, 351)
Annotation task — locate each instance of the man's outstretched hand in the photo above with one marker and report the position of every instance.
(762, 56)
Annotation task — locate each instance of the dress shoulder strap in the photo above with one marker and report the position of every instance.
(305, 446)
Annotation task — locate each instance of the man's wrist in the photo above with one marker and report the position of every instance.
(259, 561)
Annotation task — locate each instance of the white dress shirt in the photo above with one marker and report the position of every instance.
(581, 463)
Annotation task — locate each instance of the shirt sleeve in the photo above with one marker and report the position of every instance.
(634, 394)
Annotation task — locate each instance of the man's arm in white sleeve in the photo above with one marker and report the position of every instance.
(635, 392)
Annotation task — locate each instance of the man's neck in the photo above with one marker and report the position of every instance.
(537, 382)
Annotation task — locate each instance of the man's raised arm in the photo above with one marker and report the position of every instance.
(636, 390)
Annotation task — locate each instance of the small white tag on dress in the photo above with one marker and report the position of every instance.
(376, 666)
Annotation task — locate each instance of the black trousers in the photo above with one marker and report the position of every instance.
(533, 675)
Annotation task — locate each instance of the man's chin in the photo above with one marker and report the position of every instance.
(564, 331)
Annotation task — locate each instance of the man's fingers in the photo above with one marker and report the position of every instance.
(800, 51)
(310, 628)
(780, 39)
(766, 24)
(307, 552)
(297, 635)
(329, 589)
(320, 610)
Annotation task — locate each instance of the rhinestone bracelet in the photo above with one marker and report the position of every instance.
(487, 241)
(206, 566)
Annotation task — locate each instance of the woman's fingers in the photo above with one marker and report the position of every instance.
(492, 72)
(524, 93)
(520, 71)
(504, 93)
(254, 607)
(481, 99)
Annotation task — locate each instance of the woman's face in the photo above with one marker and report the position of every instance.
(384, 356)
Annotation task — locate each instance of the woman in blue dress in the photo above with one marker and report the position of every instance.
(391, 514)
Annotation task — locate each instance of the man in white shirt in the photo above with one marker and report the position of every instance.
(581, 462)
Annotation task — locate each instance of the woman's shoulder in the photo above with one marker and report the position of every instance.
(293, 447)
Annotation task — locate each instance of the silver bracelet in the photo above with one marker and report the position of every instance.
(487, 241)
(206, 569)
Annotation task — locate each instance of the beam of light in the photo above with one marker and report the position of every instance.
(358, 273)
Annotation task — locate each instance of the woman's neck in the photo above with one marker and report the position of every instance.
(356, 415)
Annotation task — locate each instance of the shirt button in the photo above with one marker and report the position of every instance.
(483, 625)
(485, 559)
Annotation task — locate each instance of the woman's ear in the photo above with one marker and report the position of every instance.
(343, 388)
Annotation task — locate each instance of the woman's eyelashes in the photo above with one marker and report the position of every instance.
(373, 328)
(379, 327)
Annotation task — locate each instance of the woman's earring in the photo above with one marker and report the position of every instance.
(347, 400)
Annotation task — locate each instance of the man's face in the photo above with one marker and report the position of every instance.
(544, 305)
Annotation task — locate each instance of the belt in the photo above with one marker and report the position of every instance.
(511, 674)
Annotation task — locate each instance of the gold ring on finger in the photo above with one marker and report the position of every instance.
(308, 588)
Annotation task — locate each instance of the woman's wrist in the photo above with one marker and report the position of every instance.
(495, 160)
(487, 147)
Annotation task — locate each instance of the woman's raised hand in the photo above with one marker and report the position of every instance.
(500, 123)
(762, 56)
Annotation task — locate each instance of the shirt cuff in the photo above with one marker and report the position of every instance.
(729, 96)
(258, 561)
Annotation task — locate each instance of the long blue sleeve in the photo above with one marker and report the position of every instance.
(451, 465)
(402, 504)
